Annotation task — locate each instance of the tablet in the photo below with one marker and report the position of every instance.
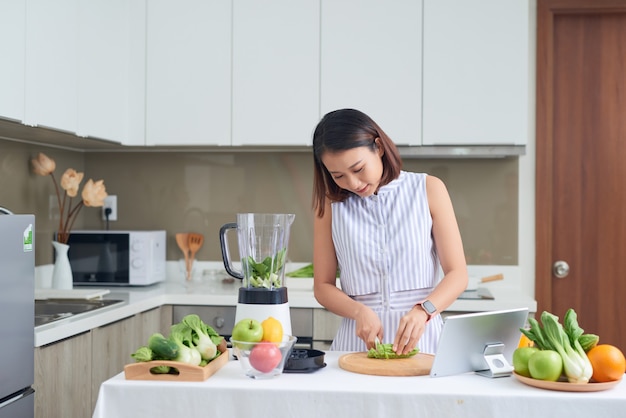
(480, 342)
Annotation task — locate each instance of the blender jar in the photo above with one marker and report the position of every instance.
(262, 241)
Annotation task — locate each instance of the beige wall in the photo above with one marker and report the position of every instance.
(196, 191)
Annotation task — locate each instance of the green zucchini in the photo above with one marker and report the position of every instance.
(162, 348)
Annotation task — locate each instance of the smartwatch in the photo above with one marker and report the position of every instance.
(428, 307)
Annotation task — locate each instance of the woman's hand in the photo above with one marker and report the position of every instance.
(368, 326)
(410, 330)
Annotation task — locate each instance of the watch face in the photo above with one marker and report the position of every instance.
(429, 307)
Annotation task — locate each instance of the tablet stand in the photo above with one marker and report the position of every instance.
(498, 365)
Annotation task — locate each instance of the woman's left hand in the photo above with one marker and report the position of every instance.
(410, 330)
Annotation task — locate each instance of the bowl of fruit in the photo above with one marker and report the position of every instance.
(261, 348)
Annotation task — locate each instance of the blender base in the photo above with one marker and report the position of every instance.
(261, 312)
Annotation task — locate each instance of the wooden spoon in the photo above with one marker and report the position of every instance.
(194, 241)
(182, 239)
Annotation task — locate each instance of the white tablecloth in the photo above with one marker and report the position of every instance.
(333, 392)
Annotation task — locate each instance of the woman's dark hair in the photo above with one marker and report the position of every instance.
(341, 130)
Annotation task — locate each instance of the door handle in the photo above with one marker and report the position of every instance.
(560, 269)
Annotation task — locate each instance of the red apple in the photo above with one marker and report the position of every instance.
(265, 356)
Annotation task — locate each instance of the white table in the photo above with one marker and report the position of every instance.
(333, 392)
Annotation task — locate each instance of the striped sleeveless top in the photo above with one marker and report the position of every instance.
(386, 256)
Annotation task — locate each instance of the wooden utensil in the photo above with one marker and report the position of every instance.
(474, 282)
(182, 239)
(493, 278)
(194, 241)
(418, 365)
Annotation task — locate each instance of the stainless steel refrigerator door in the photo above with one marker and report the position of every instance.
(21, 407)
(17, 303)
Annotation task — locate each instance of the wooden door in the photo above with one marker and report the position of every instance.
(580, 163)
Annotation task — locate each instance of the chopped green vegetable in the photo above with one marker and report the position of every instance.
(385, 351)
(265, 273)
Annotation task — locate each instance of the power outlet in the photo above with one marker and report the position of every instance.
(111, 203)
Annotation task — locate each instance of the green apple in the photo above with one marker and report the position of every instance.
(248, 330)
(545, 365)
(520, 359)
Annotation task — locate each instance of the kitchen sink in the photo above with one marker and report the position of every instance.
(51, 310)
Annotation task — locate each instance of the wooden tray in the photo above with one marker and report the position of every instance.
(187, 372)
(566, 386)
(418, 365)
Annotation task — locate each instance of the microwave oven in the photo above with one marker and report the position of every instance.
(117, 258)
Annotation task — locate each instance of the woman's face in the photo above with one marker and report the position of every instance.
(357, 170)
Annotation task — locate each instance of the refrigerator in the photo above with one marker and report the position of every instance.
(17, 316)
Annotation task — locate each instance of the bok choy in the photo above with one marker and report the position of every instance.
(550, 334)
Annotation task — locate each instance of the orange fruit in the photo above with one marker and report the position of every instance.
(608, 363)
(272, 330)
(524, 341)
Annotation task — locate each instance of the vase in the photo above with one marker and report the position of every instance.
(62, 271)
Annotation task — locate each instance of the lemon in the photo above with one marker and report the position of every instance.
(272, 330)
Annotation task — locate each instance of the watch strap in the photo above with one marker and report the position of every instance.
(423, 307)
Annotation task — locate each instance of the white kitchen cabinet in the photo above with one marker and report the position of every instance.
(12, 47)
(85, 65)
(188, 76)
(111, 68)
(275, 71)
(51, 87)
(371, 60)
(476, 72)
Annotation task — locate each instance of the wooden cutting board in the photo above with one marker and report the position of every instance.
(418, 365)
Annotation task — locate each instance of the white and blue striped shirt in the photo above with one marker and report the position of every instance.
(386, 256)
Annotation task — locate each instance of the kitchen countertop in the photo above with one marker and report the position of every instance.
(332, 391)
(209, 290)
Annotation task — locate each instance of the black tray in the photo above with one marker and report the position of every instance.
(304, 361)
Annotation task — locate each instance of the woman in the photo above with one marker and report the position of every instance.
(387, 231)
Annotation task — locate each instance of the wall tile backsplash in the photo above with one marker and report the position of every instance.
(201, 191)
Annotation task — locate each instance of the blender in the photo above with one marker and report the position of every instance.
(262, 242)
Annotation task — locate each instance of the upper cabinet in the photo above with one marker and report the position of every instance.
(371, 60)
(275, 71)
(251, 73)
(476, 72)
(188, 77)
(12, 50)
(51, 95)
(85, 67)
(111, 70)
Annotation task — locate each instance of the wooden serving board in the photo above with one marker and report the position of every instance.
(418, 365)
(186, 372)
